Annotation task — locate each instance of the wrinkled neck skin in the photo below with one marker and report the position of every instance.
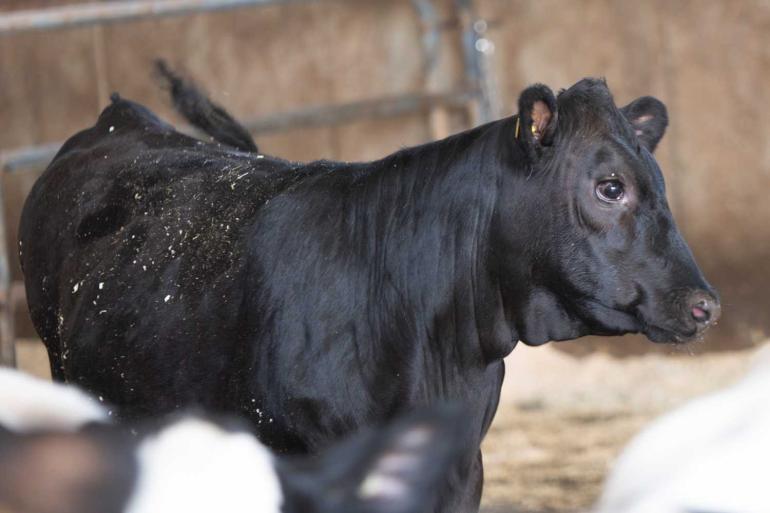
(530, 200)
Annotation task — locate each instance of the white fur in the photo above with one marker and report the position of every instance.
(713, 454)
(28, 403)
(196, 467)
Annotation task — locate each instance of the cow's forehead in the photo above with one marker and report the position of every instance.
(589, 95)
(620, 150)
(588, 107)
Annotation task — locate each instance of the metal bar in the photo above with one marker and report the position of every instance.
(337, 114)
(30, 157)
(37, 157)
(79, 15)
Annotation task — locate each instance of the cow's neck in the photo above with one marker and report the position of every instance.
(434, 206)
(523, 243)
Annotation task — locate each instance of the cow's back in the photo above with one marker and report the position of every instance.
(134, 234)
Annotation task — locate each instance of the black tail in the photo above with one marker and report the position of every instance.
(199, 110)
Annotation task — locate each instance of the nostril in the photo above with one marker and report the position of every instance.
(701, 312)
(704, 308)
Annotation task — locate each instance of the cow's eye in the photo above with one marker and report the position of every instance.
(610, 190)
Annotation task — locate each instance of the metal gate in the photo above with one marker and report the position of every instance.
(477, 95)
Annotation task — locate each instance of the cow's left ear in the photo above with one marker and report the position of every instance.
(536, 122)
(649, 119)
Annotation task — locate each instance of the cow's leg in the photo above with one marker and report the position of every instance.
(475, 485)
(52, 343)
(463, 490)
(55, 360)
(47, 323)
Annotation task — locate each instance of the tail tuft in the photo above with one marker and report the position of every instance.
(199, 110)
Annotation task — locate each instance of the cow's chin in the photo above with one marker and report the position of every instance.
(661, 335)
(550, 322)
(667, 327)
(604, 320)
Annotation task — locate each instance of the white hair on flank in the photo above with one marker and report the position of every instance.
(196, 467)
(28, 403)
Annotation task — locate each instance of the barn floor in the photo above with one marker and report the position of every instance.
(562, 420)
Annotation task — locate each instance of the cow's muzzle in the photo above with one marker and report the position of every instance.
(704, 309)
(694, 311)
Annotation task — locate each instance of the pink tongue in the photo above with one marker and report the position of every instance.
(699, 313)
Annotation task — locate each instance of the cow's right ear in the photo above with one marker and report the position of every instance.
(649, 119)
(536, 121)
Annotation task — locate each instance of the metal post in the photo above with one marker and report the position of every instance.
(7, 336)
(434, 80)
(476, 50)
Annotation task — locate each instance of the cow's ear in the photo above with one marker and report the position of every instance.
(649, 119)
(400, 469)
(536, 121)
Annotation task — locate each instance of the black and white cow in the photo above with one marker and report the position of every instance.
(59, 454)
(28, 403)
(710, 455)
(163, 271)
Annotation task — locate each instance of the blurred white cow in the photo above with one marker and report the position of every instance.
(710, 456)
(28, 403)
(59, 454)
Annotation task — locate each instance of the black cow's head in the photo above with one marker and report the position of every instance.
(590, 245)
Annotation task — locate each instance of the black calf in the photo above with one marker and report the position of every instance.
(163, 271)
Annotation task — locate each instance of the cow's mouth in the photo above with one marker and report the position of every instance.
(679, 328)
(609, 320)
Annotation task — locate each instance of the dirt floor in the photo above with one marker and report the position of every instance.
(562, 419)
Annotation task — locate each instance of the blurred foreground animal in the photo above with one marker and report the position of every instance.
(28, 403)
(710, 456)
(193, 464)
(163, 271)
